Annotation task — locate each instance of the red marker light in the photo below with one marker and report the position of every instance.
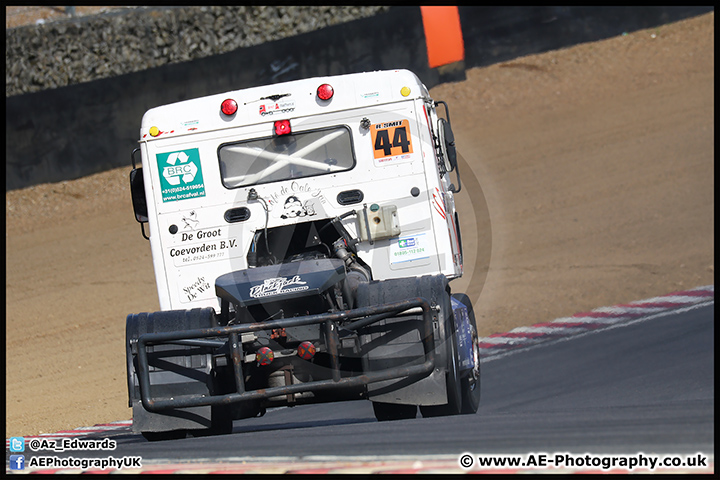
(325, 92)
(306, 350)
(229, 107)
(282, 127)
(264, 356)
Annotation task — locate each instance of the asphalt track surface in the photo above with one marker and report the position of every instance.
(646, 386)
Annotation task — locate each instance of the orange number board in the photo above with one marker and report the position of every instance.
(391, 138)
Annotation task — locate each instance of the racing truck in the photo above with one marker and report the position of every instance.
(304, 236)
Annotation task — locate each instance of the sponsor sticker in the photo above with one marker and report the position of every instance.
(274, 108)
(406, 242)
(276, 286)
(408, 249)
(200, 245)
(198, 289)
(180, 175)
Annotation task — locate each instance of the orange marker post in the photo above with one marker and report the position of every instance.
(443, 35)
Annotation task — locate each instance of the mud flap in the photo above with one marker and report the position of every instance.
(397, 342)
(174, 369)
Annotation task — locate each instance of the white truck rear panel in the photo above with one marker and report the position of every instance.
(192, 243)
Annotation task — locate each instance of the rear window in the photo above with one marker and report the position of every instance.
(285, 157)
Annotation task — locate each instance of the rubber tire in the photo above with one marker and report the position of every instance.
(162, 436)
(170, 320)
(393, 411)
(453, 381)
(222, 423)
(470, 380)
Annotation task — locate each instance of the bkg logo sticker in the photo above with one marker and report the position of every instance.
(180, 175)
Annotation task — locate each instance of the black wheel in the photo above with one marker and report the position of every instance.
(470, 379)
(393, 411)
(161, 436)
(176, 379)
(452, 380)
(221, 420)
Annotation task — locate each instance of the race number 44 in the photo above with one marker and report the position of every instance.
(391, 138)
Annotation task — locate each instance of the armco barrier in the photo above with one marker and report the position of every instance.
(74, 131)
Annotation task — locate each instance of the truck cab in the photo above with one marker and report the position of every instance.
(290, 225)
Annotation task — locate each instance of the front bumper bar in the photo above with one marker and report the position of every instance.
(330, 322)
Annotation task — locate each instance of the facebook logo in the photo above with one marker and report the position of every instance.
(17, 462)
(17, 444)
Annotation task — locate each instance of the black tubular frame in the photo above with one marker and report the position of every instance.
(233, 332)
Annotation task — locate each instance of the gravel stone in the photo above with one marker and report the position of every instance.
(115, 41)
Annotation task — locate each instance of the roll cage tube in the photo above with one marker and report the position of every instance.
(372, 314)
